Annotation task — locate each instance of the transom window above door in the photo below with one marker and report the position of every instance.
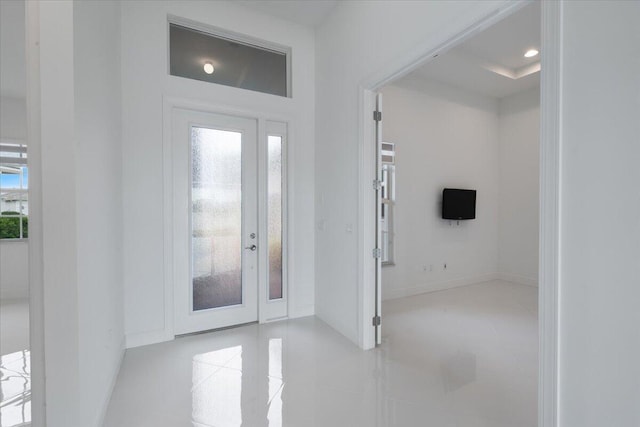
(211, 55)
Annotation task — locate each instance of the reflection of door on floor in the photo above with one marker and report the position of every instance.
(220, 176)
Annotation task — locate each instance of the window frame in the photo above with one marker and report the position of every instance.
(16, 146)
(388, 200)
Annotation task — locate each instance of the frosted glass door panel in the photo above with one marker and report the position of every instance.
(275, 216)
(227, 219)
(216, 221)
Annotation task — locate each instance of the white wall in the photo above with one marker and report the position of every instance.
(599, 336)
(13, 118)
(518, 224)
(145, 82)
(445, 137)
(99, 203)
(358, 40)
(14, 270)
(12, 49)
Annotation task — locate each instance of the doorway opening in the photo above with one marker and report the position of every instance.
(546, 205)
(466, 122)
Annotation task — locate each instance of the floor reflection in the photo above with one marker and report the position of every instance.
(465, 357)
(217, 387)
(458, 371)
(276, 383)
(218, 395)
(15, 389)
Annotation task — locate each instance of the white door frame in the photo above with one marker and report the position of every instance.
(36, 237)
(267, 310)
(550, 141)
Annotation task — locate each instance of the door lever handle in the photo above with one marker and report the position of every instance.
(252, 247)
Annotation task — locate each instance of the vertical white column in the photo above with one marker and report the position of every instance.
(58, 214)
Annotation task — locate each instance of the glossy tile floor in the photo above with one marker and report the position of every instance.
(14, 325)
(15, 389)
(15, 364)
(465, 357)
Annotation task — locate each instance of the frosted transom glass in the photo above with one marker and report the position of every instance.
(216, 217)
(275, 216)
(232, 63)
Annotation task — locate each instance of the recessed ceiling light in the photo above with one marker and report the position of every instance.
(208, 68)
(531, 53)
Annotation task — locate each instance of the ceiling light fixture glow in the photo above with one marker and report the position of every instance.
(531, 53)
(208, 68)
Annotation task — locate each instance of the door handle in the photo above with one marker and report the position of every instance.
(252, 247)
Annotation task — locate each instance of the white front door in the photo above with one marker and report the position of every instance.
(215, 217)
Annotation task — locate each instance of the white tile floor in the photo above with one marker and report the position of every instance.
(14, 325)
(15, 369)
(465, 357)
(15, 389)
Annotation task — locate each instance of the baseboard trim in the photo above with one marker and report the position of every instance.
(102, 414)
(307, 310)
(521, 280)
(437, 286)
(139, 339)
(451, 284)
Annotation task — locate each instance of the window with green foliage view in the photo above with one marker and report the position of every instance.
(14, 200)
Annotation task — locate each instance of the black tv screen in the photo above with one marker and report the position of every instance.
(458, 204)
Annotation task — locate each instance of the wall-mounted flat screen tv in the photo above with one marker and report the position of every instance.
(458, 204)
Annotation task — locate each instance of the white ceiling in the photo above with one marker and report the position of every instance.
(12, 49)
(306, 12)
(492, 62)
